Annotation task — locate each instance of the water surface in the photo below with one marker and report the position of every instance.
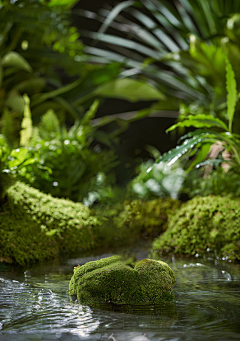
(34, 305)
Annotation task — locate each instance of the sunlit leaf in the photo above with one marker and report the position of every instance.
(130, 90)
(14, 59)
(26, 132)
(66, 3)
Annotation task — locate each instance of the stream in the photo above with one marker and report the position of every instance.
(34, 305)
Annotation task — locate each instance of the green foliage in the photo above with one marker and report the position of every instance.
(218, 182)
(68, 166)
(178, 47)
(11, 163)
(201, 224)
(157, 180)
(199, 142)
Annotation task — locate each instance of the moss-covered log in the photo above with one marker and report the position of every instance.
(112, 280)
(35, 226)
(203, 223)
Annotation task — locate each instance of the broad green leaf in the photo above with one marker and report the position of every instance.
(18, 155)
(200, 121)
(130, 90)
(26, 132)
(231, 87)
(14, 59)
(15, 101)
(31, 86)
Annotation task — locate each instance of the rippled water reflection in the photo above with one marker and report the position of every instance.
(34, 305)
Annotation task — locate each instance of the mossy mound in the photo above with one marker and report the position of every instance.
(35, 226)
(211, 222)
(112, 280)
(140, 218)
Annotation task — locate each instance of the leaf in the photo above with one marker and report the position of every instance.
(14, 59)
(202, 154)
(15, 101)
(113, 14)
(89, 115)
(200, 121)
(200, 138)
(130, 90)
(31, 86)
(26, 132)
(231, 87)
(66, 3)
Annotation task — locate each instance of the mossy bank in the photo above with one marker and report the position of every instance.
(203, 224)
(115, 281)
(36, 227)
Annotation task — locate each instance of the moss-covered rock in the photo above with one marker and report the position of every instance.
(112, 280)
(211, 222)
(35, 226)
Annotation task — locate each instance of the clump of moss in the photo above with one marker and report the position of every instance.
(113, 280)
(211, 222)
(35, 226)
(140, 218)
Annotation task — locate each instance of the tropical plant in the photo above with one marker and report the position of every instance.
(177, 46)
(210, 130)
(156, 180)
(68, 166)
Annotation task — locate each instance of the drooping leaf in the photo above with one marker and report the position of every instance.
(130, 90)
(231, 86)
(14, 59)
(200, 121)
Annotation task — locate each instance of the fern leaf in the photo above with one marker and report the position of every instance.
(26, 132)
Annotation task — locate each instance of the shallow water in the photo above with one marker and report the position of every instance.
(34, 305)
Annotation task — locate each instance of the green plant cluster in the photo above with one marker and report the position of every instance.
(113, 281)
(218, 182)
(203, 224)
(157, 180)
(67, 164)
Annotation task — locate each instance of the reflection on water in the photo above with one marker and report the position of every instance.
(34, 305)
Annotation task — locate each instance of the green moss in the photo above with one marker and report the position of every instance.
(139, 218)
(35, 226)
(112, 280)
(210, 222)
